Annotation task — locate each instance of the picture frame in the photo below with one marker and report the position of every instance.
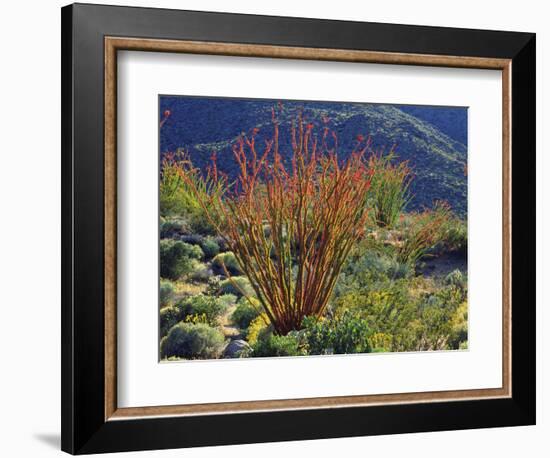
(92, 35)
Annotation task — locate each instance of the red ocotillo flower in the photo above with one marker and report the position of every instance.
(167, 114)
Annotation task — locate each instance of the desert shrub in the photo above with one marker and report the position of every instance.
(166, 292)
(227, 299)
(380, 342)
(459, 327)
(342, 334)
(207, 308)
(439, 318)
(423, 233)
(177, 258)
(210, 247)
(173, 227)
(455, 236)
(457, 279)
(169, 316)
(257, 326)
(236, 286)
(227, 261)
(245, 312)
(367, 269)
(192, 239)
(200, 272)
(389, 192)
(389, 310)
(192, 341)
(270, 344)
(200, 223)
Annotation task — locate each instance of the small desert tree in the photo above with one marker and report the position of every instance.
(290, 225)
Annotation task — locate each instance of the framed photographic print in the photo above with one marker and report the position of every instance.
(280, 228)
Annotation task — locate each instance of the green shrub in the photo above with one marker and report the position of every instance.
(228, 261)
(166, 292)
(273, 345)
(173, 227)
(457, 279)
(177, 258)
(192, 239)
(459, 327)
(455, 236)
(387, 308)
(169, 316)
(342, 334)
(245, 312)
(227, 286)
(441, 317)
(200, 273)
(207, 308)
(192, 341)
(200, 223)
(380, 342)
(366, 269)
(227, 299)
(210, 247)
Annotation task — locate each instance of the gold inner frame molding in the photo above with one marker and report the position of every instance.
(114, 44)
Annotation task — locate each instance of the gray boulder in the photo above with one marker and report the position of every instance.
(235, 348)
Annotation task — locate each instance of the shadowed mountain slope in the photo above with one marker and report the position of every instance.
(428, 137)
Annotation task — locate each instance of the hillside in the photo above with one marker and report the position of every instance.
(428, 137)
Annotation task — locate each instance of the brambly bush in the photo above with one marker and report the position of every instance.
(192, 341)
(177, 258)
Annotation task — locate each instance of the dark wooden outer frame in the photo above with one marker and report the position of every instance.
(90, 420)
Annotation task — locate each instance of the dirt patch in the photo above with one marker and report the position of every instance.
(443, 264)
(228, 329)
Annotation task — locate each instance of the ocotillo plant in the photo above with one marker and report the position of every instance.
(390, 188)
(291, 227)
(184, 194)
(424, 231)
